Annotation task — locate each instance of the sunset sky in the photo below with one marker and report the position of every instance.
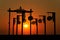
(40, 7)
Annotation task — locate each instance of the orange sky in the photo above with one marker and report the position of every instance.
(39, 7)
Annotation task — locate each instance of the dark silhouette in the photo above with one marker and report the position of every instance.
(30, 18)
(13, 25)
(21, 11)
(18, 22)
(52, 18)
(44, 20)
(9, 21)
(35, 22)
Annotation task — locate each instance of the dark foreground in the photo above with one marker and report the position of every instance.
(30, 37)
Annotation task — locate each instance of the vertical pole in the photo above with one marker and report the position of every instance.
(44, 18)
(17, 25)
(30, 24)
(54, 24)
(22, 23)
(54, 28)
(36, 27)
(13, 25)
(9, 23)
(30, 27)
(17, 29)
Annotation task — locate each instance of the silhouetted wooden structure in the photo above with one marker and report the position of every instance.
(21, 11)
(44, 20)
(40, 21)
(52, 18)
(30, 18)
(35, 22)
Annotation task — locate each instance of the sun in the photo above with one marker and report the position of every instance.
(25, 25)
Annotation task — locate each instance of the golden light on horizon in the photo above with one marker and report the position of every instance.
(25, 25)
(26, 28)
